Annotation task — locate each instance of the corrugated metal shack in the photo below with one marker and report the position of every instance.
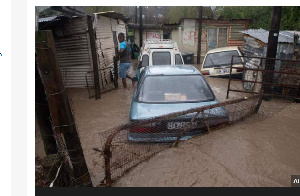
(105, 24)
(256, 41)
(72, 47)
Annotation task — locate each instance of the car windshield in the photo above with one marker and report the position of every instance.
(161, 58)
(185, 88)
(221, 59)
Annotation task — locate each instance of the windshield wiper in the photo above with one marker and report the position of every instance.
(212, 62)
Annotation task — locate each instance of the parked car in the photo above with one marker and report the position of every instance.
(217, 62)
(167, 89)
(159, 52)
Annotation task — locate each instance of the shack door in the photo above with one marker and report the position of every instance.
(212, 38)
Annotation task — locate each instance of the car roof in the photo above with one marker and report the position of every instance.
(161, 43)
(171, 70)
(223, 49)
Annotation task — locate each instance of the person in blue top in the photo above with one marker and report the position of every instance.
(125, 60)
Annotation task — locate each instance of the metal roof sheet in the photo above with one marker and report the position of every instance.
(263, 35)
(46, 19)
(114, 15)
(154, 26)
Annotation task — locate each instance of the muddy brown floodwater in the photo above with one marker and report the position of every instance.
(256, 154)
(261, 151)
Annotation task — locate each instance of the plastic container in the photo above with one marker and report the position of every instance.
(188, 58)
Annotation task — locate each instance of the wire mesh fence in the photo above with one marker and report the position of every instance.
(268, 76)
(127, 145)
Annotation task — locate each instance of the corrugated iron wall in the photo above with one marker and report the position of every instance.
(255, 47)
(252, 47)
(105, 48)
(105, 45)
(73, 52)
(118, 26)
(235, 37)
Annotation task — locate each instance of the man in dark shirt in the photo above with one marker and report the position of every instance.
(125, 60)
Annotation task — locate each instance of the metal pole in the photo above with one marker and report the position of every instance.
(141, 26)
(63, 121)
(272, 46)
(200, 8)
(94, 57)
(135, 15)
(228, 87)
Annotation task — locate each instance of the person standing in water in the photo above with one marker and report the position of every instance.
(125, 60)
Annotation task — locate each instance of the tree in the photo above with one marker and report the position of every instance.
(176, 12)
(128, 11)
(261, 16)
(48, 12)
(290, 19)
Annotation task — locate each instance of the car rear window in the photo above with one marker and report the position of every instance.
(161, 58)
(221, 59)
(185, 88)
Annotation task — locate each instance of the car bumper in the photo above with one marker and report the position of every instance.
(162, 137)
(166, 135)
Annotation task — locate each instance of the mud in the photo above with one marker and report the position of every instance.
(248, 154)
(252, 154)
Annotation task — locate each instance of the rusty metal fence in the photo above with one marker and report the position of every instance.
(266, 76)
(127, 145)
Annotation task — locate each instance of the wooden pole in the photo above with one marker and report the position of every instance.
(63, 121)
(116, 59)
(135, 15)
(43, 116)
(141, 26)
(200, 8)
(272, 46)
(42, 108)
(94, 57)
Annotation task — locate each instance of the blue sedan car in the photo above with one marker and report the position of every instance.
(166, 89)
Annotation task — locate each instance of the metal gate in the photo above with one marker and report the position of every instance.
(283, 80)
(127, 145)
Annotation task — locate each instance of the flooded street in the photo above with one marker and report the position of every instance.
(261, 151)
(255, 154)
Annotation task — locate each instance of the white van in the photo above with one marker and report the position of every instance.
(159, 52)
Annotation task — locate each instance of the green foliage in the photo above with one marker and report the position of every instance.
(290, 18)
(48, 12)
(126, 10)
(261, 16)
(175, 13)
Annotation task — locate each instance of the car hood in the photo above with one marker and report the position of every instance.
(148, 110)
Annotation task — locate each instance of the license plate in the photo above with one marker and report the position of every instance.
(222, 71)
(180, 125)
